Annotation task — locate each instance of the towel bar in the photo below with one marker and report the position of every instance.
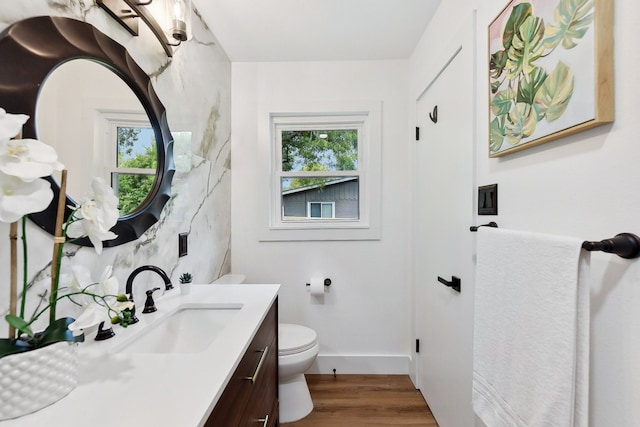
(625, 245)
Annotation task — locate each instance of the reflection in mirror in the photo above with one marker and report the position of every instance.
(99, 128)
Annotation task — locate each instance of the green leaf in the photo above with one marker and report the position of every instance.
(497, 61)
(553, 97)
(526, 48)
(573, 18)
(496, 136)
(495, 85)
(502, 102)
(521, 123)
(19, 324)
(530, 84)
(13, 346)
(58, 331)
(518, 15)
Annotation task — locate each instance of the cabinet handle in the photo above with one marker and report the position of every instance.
(255, 374)
(264, 421)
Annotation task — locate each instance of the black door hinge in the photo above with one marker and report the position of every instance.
(417, 346)
(417, 133)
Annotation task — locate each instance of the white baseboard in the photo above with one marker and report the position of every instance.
(361, 364)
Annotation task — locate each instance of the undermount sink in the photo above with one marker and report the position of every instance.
(188, 329)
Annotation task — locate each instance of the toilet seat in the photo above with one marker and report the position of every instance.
(293, 339)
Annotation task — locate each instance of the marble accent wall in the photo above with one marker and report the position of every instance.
(195, 88)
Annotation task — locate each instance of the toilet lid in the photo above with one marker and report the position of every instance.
(295, 338)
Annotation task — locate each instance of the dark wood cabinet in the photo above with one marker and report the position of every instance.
(251, 397)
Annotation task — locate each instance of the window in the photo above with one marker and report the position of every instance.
(131, 159)
(325, 176)
(319, 163)
(321, 210)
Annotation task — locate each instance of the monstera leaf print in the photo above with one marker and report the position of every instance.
(518, 15)
(496, 135)
(499, 59)
(525, 89)
(526, 47)
(573, 20)
(529, 86)
(554, 95)
(521, 122)
(502, 102)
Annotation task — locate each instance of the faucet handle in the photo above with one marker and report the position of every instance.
(149, 304)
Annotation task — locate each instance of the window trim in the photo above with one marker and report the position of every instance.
(368, 114)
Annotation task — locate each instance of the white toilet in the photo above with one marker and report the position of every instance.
(297, 350)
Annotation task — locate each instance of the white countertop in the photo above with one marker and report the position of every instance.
(172, 390)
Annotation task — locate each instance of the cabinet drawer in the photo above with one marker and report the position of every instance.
(260, 410)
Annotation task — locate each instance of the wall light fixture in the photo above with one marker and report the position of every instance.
(177, 20)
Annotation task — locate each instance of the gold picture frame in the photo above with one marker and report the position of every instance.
(550, 71)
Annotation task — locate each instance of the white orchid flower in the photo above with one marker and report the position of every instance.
(91, 316)
(106, 200)
(96, 216)
(28, 159)
(19, 198)
(11, 124)
(97, 309)
(81, 278)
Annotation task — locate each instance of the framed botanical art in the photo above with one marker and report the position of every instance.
(550, 71)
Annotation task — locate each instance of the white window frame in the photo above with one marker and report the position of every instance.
(110, 122)
(364, 115)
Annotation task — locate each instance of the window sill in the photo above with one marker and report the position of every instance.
(289, 234)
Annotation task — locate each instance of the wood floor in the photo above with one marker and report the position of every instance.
(365, 400)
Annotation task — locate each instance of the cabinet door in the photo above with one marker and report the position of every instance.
(235, 404)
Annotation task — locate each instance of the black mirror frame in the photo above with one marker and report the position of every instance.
(33, 48)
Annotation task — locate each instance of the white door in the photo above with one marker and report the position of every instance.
(442, 241)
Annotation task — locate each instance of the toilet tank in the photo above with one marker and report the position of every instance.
(229, 279)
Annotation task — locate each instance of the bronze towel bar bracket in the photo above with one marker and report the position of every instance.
(625, 245)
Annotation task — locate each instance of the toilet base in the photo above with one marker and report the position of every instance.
(295, 399)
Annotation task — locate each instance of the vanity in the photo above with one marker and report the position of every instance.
(232, 381)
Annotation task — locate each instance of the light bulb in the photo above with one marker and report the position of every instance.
(178, 10)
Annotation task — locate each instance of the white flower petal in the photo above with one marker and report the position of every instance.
(106, 201)
(19, 198)
(11, 124)
(28, 159)
(91, 316)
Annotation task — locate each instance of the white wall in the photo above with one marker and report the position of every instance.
(363, 324)
(582, 185)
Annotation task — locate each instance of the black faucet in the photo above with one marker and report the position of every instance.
(134, 273)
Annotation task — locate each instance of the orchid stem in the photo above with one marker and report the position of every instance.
(13, 278)
(23, 300)
(58, 244)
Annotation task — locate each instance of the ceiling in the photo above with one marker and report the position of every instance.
(317, 30)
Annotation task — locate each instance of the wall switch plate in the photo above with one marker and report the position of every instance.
(488, 200)
(182, 244)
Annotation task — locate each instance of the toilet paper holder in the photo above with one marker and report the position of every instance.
(327, 282)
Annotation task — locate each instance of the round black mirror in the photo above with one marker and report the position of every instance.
(30, 51)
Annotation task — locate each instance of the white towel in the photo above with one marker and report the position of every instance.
(531, 330)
